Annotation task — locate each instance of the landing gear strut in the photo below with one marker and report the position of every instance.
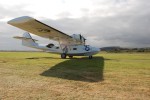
(63, 56)
(90, 57)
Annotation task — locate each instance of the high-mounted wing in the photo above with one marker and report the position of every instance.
(38, 28)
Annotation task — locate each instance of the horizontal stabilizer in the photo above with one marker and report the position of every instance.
(24, 38)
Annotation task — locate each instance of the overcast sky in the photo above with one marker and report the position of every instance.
(124, 23)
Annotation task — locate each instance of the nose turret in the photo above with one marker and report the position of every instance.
(95, 50)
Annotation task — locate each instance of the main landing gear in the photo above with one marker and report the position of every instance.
(63, 56)
(70, 56)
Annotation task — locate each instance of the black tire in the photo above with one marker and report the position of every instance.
(63, 56)
(90, 57)
(70, 56)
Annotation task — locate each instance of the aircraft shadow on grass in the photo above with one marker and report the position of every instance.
(81, 69)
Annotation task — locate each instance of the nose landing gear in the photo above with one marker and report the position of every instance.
(90, 57)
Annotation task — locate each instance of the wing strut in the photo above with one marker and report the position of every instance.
(60, 45)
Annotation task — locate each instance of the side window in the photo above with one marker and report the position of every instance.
(57, 47)
(74, 48)
(50, 45)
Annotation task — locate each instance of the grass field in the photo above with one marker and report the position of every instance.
(43, 76)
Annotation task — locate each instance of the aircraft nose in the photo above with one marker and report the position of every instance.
(97, 49)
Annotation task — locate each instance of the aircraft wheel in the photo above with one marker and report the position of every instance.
(70, 56)
(90, 57)
(63, 56)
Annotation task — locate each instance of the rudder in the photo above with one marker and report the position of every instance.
(28, 41)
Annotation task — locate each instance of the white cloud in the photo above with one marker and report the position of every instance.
(102, 22)
(72, 8)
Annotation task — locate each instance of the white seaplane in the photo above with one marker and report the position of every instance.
(68, 45)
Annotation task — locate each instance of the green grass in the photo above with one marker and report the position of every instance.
(44, 76)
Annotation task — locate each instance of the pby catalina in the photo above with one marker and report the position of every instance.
(70, 46)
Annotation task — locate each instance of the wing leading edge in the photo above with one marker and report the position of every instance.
(38, 28)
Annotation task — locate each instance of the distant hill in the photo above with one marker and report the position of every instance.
(121, 49)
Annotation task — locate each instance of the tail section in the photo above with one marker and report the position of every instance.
(27, 40)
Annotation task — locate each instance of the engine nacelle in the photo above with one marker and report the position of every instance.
(79, 38)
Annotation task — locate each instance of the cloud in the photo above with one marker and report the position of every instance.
(128, 27)
(103, 22)
(11, 12)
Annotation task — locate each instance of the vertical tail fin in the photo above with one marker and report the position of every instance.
(28, 41)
